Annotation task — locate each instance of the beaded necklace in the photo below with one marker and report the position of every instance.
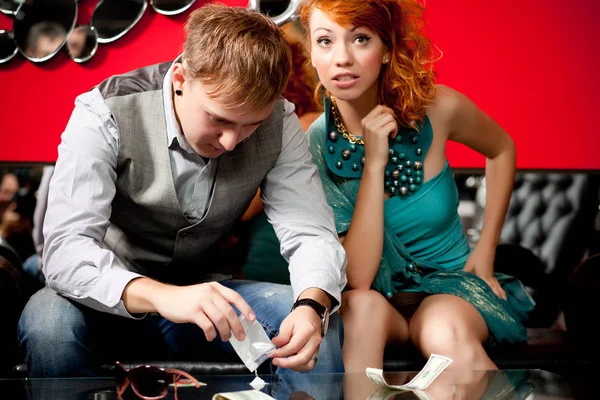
(345, 156)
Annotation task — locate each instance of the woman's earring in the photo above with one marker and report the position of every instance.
(386, 60)
(314, 65)
(178, 92)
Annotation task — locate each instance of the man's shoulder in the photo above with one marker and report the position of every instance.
(144, 79)
(282, 108)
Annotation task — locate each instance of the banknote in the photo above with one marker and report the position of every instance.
(434, 366)
(243, 395)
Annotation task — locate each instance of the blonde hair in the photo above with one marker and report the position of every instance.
(240, 54)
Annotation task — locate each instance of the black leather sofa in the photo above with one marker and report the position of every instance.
(547, 231)
(553, 216)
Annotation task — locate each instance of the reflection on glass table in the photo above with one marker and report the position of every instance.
(514, 385)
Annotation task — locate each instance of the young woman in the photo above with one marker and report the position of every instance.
(380, 148)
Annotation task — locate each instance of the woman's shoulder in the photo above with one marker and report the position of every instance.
(446, 106)
(445, 102)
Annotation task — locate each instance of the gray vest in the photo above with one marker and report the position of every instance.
(148, 231)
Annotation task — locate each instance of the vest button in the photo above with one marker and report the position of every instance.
(184, 234)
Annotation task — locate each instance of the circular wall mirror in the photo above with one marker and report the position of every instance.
(10, 6)
(171, 7)
(41, 27)
(273, 7)
(280, 11)
(114, 18)
(289, 14)
(82, 43)
(8, 47)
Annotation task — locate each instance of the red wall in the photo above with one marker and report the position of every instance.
(531, 64)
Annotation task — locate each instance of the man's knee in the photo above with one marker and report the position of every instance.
(49, 321)
(271, 303)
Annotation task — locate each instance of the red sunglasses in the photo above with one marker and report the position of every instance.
(150, 382)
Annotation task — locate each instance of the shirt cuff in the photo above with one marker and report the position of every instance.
(320, 279)
(109, 291)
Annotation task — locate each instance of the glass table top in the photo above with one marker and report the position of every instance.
(510, 384)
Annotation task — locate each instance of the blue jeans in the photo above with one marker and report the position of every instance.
(61, 338)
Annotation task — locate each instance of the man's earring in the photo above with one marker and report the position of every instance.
(178, 92)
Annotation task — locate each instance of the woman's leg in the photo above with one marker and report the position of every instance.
(450, 326)
(370, 322)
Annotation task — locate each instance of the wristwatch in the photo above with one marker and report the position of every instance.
(319, 308)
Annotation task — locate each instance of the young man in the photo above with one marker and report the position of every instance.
(154, 167)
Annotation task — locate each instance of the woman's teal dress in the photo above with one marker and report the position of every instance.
(424, 248)
(264, 262)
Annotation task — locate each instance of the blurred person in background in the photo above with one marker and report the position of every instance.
(16, 222)
(17, 200)
(9, 186)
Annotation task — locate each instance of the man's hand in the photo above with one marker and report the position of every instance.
(207, 305)
(299, 339)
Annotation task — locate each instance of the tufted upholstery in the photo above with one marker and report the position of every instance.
(544, 210)
(552, 215)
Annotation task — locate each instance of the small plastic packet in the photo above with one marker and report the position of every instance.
(256, 347)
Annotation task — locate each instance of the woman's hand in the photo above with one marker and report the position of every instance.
(481, 263)
(377, 127)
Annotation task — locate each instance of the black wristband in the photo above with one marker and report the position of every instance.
(315, 305)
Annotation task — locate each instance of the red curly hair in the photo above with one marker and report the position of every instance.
(407, 83)
(303, 80)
